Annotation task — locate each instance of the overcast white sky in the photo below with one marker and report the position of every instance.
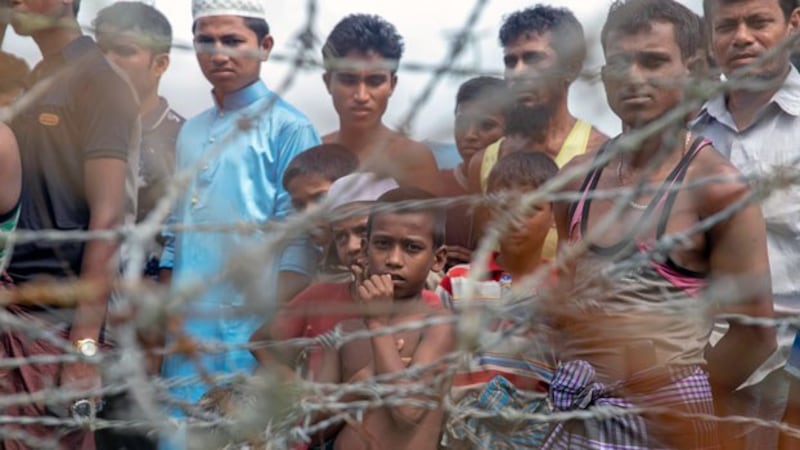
(425, 25)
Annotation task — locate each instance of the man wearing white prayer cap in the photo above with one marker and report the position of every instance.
(241, 145)
(241, 8)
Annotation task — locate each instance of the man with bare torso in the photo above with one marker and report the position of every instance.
(361, 57)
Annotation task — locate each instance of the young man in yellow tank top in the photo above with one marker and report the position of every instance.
(543, 50)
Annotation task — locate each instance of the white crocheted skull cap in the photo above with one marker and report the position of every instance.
(243, 8)
(359, 187)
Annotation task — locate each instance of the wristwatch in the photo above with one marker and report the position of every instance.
(86, 347)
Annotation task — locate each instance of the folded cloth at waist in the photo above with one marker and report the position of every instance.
(681, 389)
(499, 396)
(60, 318)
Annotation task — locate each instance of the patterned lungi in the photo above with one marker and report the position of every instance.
(30, 379)
(681, 389)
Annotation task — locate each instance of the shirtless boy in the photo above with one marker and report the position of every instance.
(361, 56)
(402, 246)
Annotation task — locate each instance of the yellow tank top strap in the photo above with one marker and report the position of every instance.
(576, 143)
(489, 160)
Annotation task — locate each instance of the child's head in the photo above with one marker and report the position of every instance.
(405, 241)
(514, 175)
(480, 119)
(311, 173)
(351, 197)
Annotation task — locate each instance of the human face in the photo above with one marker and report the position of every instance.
(229, 52)
(476, 128)
(360, 87)
(532, 70)
(348, 237)
(644, 74)
(31, 16)
(307, 190)
(125, 49)
(526, 235)
(743, 31)
(401, 245)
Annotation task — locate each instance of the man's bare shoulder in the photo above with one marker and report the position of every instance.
(577, 169)
(399, 142)
(717, 184)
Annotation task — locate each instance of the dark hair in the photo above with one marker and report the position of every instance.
(76, 7)
(787, 6)
(634, 16)
(140, 18)
(13, 72)
(403, 195)
(521, 169)
(331, 161)
(363, 33)
(258, 26)
(489, 90)
(567, 33)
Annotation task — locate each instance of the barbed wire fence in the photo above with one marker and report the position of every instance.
(277, 415)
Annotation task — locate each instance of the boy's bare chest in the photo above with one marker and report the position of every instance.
(357, 357)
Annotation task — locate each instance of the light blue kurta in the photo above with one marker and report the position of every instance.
(239, 184)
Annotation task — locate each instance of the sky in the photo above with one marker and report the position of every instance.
(426, 26)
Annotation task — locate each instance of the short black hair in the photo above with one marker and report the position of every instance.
(634, 16)
(490, 90)
(364, 33)
(401, 196)
(141, 19)
(511, 171)
(331, 161)
(568, 39)
(258, 26)
(787, 6)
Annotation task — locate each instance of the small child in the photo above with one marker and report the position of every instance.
(309, 176)
(320, 307)
(479, 121)
(520, 365)
(402, 246)
(351, 198)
